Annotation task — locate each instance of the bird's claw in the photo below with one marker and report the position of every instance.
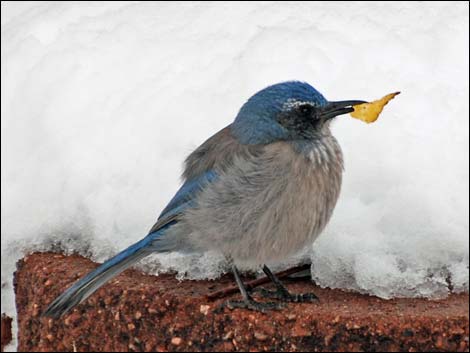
(286, 296)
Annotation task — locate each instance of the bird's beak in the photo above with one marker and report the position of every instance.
(333, 109)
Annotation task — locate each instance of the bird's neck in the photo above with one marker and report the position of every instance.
(323, 151)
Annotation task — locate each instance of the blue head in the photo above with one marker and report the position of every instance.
(286, 111)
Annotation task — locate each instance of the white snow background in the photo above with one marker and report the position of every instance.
(101, 102)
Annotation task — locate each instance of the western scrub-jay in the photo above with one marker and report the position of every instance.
(258, 191)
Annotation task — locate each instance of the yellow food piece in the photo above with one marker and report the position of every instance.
(369, 112)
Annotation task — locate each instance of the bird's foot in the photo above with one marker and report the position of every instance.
(251, 304)
(284, 295)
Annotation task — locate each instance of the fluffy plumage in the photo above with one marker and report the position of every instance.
(258, 191)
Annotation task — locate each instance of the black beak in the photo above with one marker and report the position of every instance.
(333, 109)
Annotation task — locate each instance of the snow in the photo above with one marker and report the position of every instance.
(101, 102)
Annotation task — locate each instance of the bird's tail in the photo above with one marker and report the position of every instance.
(96, 278)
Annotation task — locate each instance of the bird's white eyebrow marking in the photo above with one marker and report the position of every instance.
(292, 103)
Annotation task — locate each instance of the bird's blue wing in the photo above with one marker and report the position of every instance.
(184, 198)
(187, 192)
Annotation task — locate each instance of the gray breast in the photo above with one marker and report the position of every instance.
(270, 205)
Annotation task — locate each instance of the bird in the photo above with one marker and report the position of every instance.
(258, 191)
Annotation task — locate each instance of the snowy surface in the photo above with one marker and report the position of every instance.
(101, 102)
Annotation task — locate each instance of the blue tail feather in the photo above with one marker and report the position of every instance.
(86, 286)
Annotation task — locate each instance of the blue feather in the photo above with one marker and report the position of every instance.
(255, 122)
(185, 196)
(82, 289)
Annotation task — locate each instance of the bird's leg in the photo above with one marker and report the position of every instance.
(248, 302)
(282, 292)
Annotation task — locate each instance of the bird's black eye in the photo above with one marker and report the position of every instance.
(305, 109)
